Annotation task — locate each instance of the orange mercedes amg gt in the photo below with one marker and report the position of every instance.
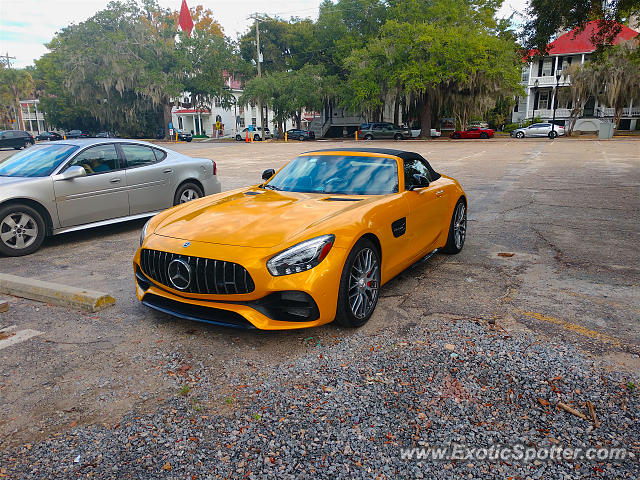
(312, 244)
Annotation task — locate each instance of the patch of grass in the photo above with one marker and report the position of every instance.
(184, 391)
(229, 401)
(631, 386)
(257, 416)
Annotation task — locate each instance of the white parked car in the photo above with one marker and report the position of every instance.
(415, 132)
(538, 130)
(257, 134)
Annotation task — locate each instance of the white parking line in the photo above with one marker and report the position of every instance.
(10, 336)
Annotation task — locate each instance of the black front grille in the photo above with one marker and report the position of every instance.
(210, 277)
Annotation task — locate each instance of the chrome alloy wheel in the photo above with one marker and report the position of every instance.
(364, 283)
(189, 194)
(460, 225)
(18, 230)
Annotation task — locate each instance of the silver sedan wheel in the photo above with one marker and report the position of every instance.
(460, 225)
(188, 195)
(18, 230)
(363, 283)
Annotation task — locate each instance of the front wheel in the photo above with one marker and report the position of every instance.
(397, 136)
(484, 135)
(238, 138)
(186, 193)
(457, 229)
(22, 230)
(520, 135)
(359, 285)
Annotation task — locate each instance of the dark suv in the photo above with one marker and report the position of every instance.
(370, 131)
(15, 138)
(296, 134)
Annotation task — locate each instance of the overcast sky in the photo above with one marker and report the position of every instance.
(26, 25)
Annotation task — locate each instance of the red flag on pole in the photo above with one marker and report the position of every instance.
(185, 21)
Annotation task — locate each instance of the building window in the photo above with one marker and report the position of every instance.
(253, 121)
(525, 74)
(543, 100)
(180, 124)
(515, 109)
(547, 66)
(218, 102)
(241, 110)
(240, 122)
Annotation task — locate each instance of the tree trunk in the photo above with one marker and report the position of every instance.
(425, 116)
(396, 111)
(298, 119)
(166, 116)
(617, 115)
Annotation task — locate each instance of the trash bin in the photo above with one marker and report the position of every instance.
(605, 130)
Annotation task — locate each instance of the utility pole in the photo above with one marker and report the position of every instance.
(6, 59)
(259, 60)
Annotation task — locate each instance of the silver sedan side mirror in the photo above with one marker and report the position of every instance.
(75, 171)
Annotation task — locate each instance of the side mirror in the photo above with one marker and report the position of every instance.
(419, 181)
(268, 173)
(70, 173)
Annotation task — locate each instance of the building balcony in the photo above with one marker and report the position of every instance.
(561, 113)
(609, 112)
(548, 113)
(548, 81)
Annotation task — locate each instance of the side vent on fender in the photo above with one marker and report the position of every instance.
(399, 227)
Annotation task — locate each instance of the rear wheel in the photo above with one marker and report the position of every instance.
(22, 230)
(457, 229)
(301, 138)
(187, 192)
(484, 135)
(368, 136)
(359, 285)
(553, 134)
(456, 136)
(397, 136)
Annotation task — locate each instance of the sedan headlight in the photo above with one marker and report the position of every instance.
(301, 257)
(143, 233)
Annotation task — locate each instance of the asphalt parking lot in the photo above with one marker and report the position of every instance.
(568, 211)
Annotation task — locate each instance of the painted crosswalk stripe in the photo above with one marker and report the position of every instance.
(11, 335)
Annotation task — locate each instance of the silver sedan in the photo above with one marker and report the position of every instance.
(538, 130)
(76, 184)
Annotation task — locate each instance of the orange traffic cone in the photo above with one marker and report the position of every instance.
(246, 138)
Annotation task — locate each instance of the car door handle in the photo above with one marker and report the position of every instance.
(439, 193)
(168, 170)
(115, 180)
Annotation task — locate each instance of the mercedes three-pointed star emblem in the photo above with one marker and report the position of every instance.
(179, 274)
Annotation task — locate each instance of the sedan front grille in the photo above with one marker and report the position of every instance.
(203, 275)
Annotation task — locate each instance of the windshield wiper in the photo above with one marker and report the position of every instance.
(272, 187)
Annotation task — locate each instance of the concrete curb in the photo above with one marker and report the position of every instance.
(50, 292)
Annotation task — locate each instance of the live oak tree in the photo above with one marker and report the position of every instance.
(15, 84)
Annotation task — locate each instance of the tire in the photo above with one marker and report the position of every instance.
(397, 136)
(256, 138)
(22, 230)
(368, 137)
(484, 135)
(368, 291)
(238, 138)
(301, 138)
(457, 229)
(456, 136)
(553, 134)
(520, 135)
(186, 192)
(189, 139)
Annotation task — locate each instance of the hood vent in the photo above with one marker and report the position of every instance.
(341, 199)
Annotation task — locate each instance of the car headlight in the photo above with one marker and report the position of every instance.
(143, 233)
(301, 257)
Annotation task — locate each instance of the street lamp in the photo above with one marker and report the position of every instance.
(559, 75)
(535, 94)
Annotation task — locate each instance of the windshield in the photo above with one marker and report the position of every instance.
(36, 161)
(349, 175)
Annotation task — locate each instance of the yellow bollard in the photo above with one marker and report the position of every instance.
(64, 137)
(356, 135)
(176, 138)
(285, 137)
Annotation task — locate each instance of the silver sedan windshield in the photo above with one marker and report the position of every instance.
(37, 161)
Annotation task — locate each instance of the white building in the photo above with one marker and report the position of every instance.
(539, 80)
(202, 120)
(32, 119)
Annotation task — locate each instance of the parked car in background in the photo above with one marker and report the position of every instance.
(380, 130)
(15, 139)
(296, 134)
(75, 184)
(473, 132)
(538, 130)
(106, 135)
(76, 134)
(415, 131)
(257, 134)
(48, 136)
(184, 136)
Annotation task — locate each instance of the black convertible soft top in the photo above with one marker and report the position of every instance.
(403, 154)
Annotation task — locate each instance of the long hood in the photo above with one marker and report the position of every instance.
(254, 218)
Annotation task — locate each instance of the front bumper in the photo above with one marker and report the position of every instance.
(311, 295)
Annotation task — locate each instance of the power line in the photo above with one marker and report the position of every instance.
(6, 59)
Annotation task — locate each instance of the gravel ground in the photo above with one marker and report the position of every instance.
(344, 410)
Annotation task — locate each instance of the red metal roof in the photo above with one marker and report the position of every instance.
(192, 110)
(580, 41)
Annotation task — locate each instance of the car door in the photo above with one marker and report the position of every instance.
(426, 209)
(377, 130)
(149, 178)
(100, 195)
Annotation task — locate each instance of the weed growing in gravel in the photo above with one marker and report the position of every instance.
(229, 401)
(631, 386)
(184, 391)
(257, 416)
